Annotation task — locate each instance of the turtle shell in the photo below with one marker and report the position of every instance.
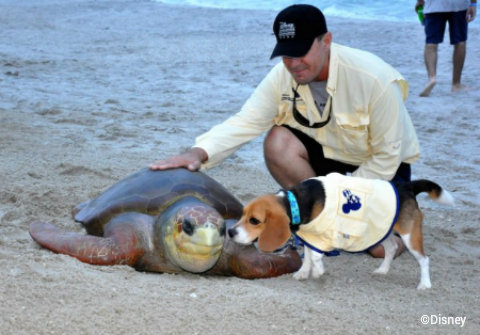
(151, 192)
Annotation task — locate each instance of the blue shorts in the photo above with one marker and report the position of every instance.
(435, 24)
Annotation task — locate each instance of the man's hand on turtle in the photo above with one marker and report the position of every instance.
(192, 160)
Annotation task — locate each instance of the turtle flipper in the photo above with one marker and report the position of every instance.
(245, 261)
(110, 250)
(79, 207)
(250, 263)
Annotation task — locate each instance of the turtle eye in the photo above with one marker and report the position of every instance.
(188, 227)
(223, 228)
(254, 221)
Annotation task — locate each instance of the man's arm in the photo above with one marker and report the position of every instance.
(255, 118)
(472, 11)
(418, 4)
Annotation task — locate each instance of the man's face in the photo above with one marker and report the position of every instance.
(314, 65)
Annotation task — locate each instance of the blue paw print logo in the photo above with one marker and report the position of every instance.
(353, 202)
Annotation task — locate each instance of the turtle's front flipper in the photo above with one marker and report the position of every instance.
(119, 248)
(79, 207)
(250, 263)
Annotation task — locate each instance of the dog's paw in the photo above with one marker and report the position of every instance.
(424, 286)
(301, 275)
(317, 271)
(381, 271)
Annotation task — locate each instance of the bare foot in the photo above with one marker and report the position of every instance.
(459, 87)
(428, 89)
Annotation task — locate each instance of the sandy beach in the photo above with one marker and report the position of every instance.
(92, 91)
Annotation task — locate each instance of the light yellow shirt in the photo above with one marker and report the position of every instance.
(358, 213)
(369, 127)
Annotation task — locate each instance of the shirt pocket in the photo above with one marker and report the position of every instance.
(349, 233)
(284, 110)
(352, 131)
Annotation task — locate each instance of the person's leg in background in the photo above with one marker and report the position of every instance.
(435, 24)
(458, 28)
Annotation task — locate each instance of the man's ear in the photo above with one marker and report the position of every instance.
(327, 38)
(276, 232)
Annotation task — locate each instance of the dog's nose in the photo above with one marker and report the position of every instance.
(232, 232)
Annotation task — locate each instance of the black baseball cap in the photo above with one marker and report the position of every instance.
(295, 28)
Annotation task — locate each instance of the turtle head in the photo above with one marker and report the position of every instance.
(193, 234)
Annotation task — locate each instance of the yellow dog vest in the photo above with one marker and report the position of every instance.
(358, 214)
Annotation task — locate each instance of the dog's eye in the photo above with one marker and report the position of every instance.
(254, 221)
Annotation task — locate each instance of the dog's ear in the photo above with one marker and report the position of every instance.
(276, 231)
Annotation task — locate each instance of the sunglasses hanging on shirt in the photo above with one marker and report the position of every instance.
(301, 119)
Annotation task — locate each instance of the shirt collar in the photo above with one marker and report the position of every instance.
(333, 70)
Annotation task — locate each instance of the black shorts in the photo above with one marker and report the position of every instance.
(435, 24)
(323, 166)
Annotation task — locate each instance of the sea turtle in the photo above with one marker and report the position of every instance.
(164, 221)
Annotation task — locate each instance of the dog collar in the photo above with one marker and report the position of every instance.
(294, 210)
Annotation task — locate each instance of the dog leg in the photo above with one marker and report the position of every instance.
(422, 260)
(390, 247)
(317, 264)
(304, 272)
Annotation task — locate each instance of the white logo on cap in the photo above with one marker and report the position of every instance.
(286, 30)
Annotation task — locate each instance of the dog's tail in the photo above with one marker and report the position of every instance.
(435, 191)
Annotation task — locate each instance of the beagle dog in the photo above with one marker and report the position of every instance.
(337, 212)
